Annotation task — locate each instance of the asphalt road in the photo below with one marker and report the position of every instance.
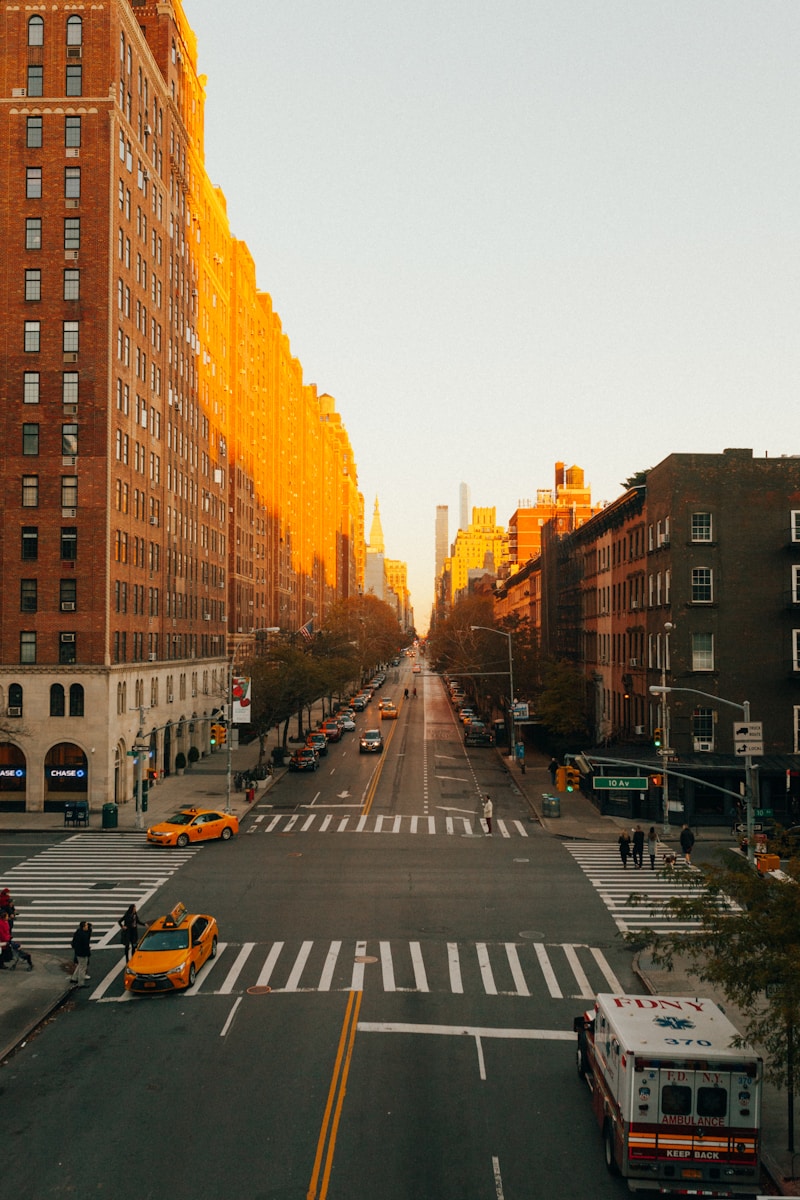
(389, 1016)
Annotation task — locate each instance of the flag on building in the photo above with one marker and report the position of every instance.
(307, 630)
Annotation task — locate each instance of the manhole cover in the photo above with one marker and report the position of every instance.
(365, 958)
(259, 991)
(535, 935)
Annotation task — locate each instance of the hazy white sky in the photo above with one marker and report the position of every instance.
(507, 233)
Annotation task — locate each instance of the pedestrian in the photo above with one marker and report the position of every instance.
(81, 944)
(638, 846)
(652, 843)
(7, 908)
(624, 841)
(10, 949)
(687, 842)
(552, 767)
(251, 794)
(488, 809)
(129, 923)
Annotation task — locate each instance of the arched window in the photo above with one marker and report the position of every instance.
(74, 31)
(76, 700)
(36, 31)
(15, 699)
(57, 700)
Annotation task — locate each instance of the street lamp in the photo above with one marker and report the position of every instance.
(749, 789)
(512, 724)
(665, 736)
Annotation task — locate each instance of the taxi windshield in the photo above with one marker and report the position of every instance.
(181, 818)
(165, 939)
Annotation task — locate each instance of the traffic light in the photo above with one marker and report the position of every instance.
(657, 738)
(573, 778)
(656, 780)
(561, 779)
(219, 735)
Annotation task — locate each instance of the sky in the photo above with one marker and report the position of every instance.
(508, 233)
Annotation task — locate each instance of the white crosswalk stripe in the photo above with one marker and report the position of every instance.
(601, 863)
(525, 968)
(430, 826)
(89, 877)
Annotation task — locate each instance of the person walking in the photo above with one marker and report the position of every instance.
(652, 843)
(81, 944)
(488, 809)
(624, 842)
(7, 908)
(129, 923)
(638, 847)
(552, 767)
(687, 842)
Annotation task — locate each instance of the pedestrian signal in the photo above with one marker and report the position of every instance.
(573, 778)
(656, 780)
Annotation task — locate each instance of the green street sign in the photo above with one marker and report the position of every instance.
(623, 783)
(762, 812)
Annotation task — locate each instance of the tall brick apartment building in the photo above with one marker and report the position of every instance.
(149, 496)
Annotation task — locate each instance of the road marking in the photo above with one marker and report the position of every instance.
(318, 1186)
(516, 969)
(387, 968)
(420, 978)
(473, 1031)
(454, 965)
(498, 1182)
(267, 969)
(548, 972)
(231, 1015)
(489, 985)
(233, 974)
(326, 977)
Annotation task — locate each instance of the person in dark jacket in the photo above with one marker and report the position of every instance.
(687, 842)
(129, 924)
(624, 842)
(638, 846)
(82, 945)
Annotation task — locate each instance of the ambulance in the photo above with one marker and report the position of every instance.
(677, 1102)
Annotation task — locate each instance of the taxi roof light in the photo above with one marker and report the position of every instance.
(175, 916)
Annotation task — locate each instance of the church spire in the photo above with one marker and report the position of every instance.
(376, 542)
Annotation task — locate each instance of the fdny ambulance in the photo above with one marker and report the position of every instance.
(678, 1105)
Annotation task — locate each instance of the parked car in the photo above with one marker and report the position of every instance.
(466, 714)
(318, 741)
(305, 759)
(477, 734)
(359, 703)
(371, 742)
(348, 724)
(332, 730)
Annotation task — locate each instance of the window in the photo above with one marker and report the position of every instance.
(796, 584)
(32, 337)
(794, 521)
(72, 132)
(57, 700)
(72, 284)
(33, 285)
(703, 725)
(27, 647)
(701, 527)
(36, 31)
(69, 439)
(72, 183)
(30, 387)
(30, 491)
(74, 31)
(74, 79)
(72, 233)
(15, 696)
(33, 183)
(76, 700)
(796, 712)
(33, 135)
(35, 79)
(67, 595)
(702, 652)
(69, 387)
(796, 649)
(30, 543)
(33, 233)
(28, 596)
(69, 543)
(70, 337)
(66, 648)
(30, 439)
(702, 585)
(69, 491)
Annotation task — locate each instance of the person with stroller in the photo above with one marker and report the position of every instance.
(10, 949)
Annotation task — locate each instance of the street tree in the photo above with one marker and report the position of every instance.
(561, 704)
(369, 627)
(744, 939)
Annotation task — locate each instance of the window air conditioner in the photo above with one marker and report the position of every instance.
(152, 657)
(703, 746)
(70, 358)
(69, 512)
(72, 203)
(170, 698)
(19, 92)
(70, 410)
(68, 606)
(634, 603)
(14, 711)
(68, 637)
(206, 616)
(633, 662)
(74, 51)
(71, 255)
(72, 152)
(638, 729)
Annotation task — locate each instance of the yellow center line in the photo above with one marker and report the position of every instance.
(336, 1094)
(373, 786)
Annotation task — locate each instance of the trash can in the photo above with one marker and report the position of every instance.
(110, 813)
(551, 806)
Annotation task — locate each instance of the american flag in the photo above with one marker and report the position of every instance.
(307, 630)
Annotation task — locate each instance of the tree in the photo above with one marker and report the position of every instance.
(369, 627)
(561, 705)
(638, 479)
(745, 940)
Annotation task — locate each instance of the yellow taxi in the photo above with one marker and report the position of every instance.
(388, 711)
(172, 951)
(194, 825)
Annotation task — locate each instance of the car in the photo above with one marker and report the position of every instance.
(466, 714)
(395, 662)
(360, 703)
(416, 669)
(348, 724)
(388, 712)
(318, 742)
(172, 951)
(304, 759)
(332, 730)
(193, 825)
(475, 736)
(371, 742)
(385, 702)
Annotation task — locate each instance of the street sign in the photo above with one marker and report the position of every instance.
(748, 731)
(520, 712)
(629, 783)
(742, 748)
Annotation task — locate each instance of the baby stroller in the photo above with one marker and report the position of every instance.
(12, 954)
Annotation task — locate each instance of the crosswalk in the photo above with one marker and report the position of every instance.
(86, 877)
(601, 864)
(449, 825)
(525, 968)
